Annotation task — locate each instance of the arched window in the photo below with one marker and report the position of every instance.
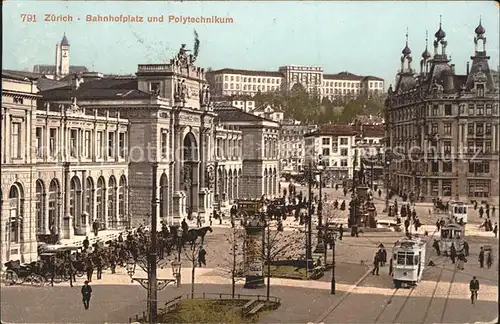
(122, 200)
(16, 213)
(89, 196)
(40, 208)
(54, 196)
(100, 201)
(112, 217)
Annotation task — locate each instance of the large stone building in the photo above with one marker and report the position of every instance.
(80, 151)
(445, 125)
(343, 146)
(332, 86)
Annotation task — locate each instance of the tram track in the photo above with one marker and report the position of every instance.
(426, 314)
(448, 295)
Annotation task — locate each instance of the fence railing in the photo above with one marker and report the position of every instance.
(174, 303)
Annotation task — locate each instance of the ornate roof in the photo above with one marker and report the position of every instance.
(480, 29)
(64, 41)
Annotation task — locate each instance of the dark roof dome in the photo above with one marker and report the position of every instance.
(426, 54)
(406, 51)
(64, 41)
(440, 34)
(480, 29)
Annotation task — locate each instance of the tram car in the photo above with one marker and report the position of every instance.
(451, 233)
(458, 211)
(408, 261)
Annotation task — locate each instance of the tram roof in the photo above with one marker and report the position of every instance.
(452, 226)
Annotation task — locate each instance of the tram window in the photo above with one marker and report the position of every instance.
(444, 234)
(401, 258)
(415, 259)
(409, 259)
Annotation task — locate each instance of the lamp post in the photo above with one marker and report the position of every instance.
(179, 245)
(309, 216)
(387, 163)
(333, 238)
(320, 246)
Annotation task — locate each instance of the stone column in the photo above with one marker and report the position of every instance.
(494, 138)
(253, 256)
(45, 202)
(68, 230)
(8, 132)
(84, 218)
(203, 191)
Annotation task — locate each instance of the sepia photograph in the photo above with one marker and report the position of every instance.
(249, 162)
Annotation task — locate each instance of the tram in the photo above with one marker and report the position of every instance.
(408, 261)
(451, 233)
(458, 211)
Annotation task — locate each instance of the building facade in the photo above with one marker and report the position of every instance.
(78, 151)
(444, 126)
(342, 147)
(332, 86)
(292, 143)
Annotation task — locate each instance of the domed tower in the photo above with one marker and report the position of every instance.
(440, 42)
(426, 55)
(406, 56)
(64, 46)
(480, 74)
(405, 79)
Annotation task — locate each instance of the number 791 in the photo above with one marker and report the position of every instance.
(28, 17)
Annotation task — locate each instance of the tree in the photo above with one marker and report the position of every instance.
(192, 256)
(279, 246)
(330, 217)
(232, 263)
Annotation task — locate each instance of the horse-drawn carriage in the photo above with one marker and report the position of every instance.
(18, 273)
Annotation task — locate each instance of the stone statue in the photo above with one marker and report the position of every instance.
(207, 95)
(210, 179)
(182, 56)
(183, 92)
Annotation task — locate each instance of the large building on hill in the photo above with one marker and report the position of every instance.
(332, 86)
(445, 125)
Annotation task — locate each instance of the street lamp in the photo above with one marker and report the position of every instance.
(332, 237)
(320, 245)
(176, 271)
(179, 245)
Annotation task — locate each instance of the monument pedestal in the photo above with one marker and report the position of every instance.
(203, 203)
(83, 228)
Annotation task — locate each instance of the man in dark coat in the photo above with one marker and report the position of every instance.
(453, 253)
(341, 232)
(86, 243)
(481, 257)
(89, 268)
(376, 264)
(201, 257)
(86, 294)
(95, 227)
(474, 288)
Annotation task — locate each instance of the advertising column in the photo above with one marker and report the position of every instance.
(253, 255)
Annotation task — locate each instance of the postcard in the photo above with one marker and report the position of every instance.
(249, 162)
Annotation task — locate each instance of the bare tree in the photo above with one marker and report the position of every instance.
(192, 256)
(281, 246)
(331, 217)
(232, 263)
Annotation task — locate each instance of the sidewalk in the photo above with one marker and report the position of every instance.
(102, 236)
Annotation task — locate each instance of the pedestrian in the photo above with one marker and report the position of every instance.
(210, 219)
(466, 248)
(71, 270)
(53, 269)
(341, 232)
(382, 254)
(435, 245)
(86, 294)
(493, 211)
(495, 230)
(376, 264)
(474, 288)
(202, 257)
(481, 212)
(438, 225)
(198, 221)
(99, 266)
(489, 260)
(95, 227)
(86, 244)
(481, 258)
(453, 253)
(407, 225)
(89, 268)
(461, 260)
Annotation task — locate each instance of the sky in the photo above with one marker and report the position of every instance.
(364, 38)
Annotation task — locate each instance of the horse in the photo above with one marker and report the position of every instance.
(194, 233)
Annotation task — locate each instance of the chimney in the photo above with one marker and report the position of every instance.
(453, 69)
(467, 69)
